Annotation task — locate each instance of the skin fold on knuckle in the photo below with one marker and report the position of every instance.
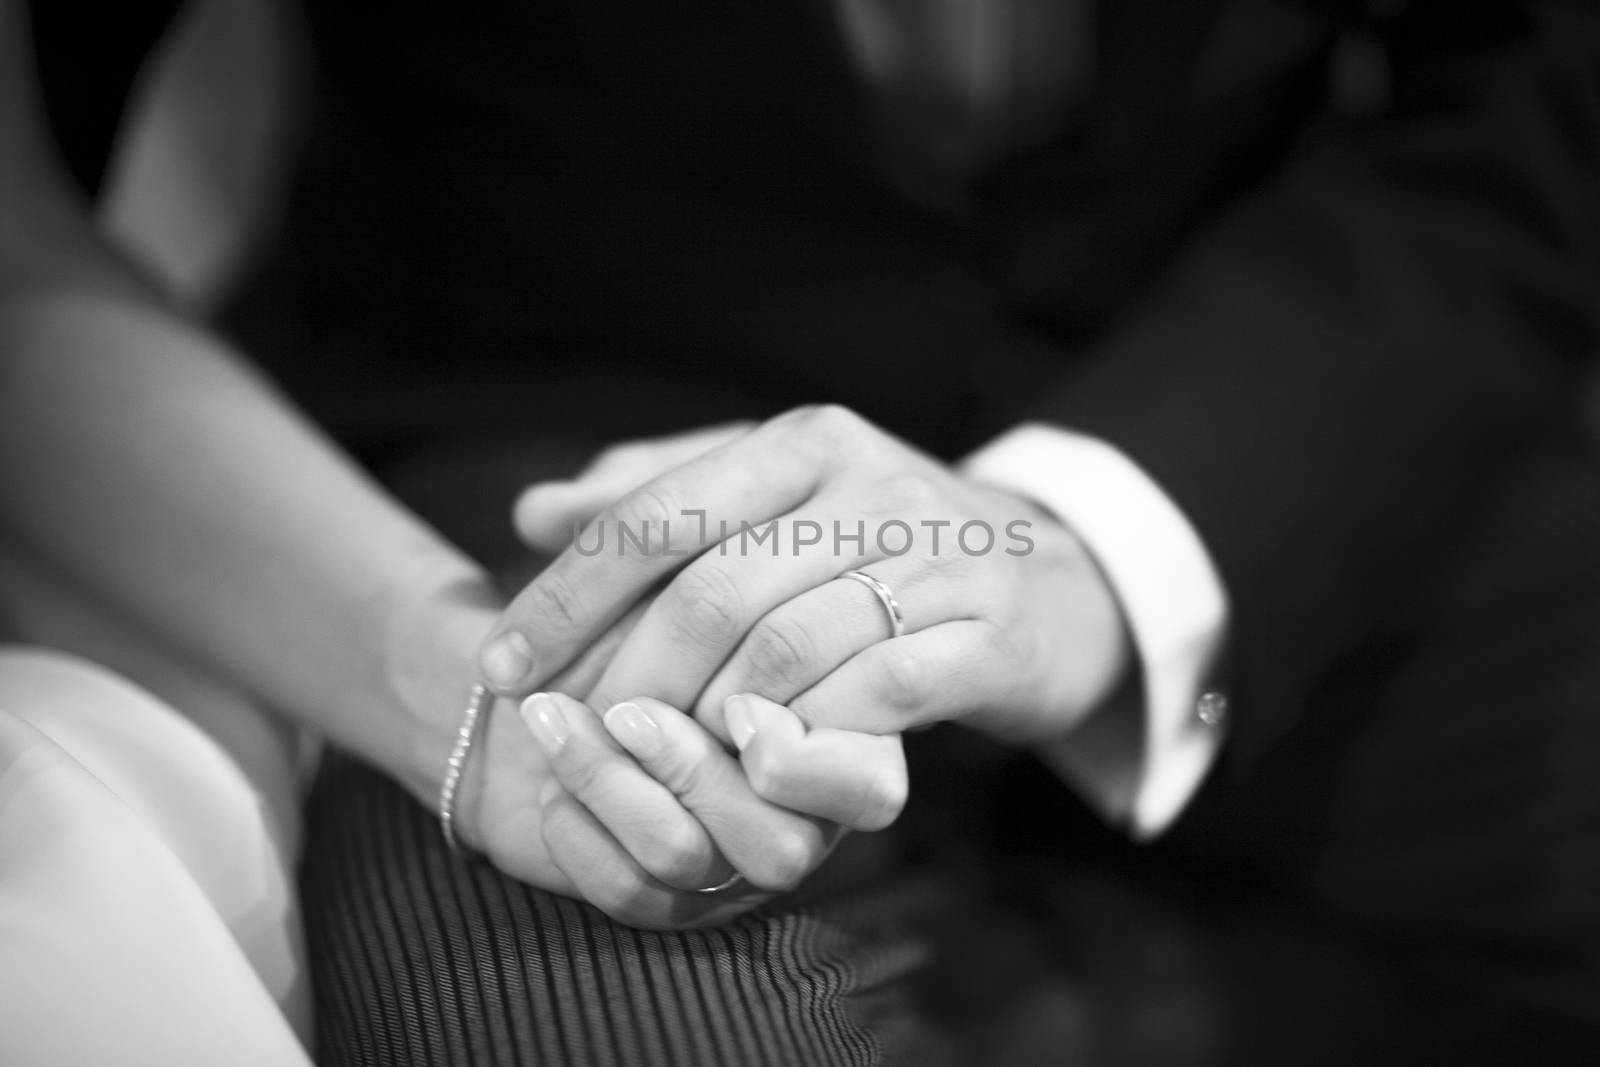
(646, 509)
(899, 679)
(703, 606)
(582, 768)
(690, 772)
(776, 654)
(553, 604)
(956, 565)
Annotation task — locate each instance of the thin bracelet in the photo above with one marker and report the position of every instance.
(480, 700)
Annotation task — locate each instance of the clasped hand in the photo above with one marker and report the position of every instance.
(705, 573)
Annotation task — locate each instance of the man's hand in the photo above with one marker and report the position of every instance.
(1009, 625)
(548, 513)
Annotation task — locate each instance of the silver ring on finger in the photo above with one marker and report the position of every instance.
(891, 606)
(722, 887)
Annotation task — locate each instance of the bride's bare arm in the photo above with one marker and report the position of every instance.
(146, 461)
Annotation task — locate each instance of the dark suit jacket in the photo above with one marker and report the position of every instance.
(1314, 322)
(1325, 274)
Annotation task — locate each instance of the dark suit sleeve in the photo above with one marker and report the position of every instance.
(1326, 368)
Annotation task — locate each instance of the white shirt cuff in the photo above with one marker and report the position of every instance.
(1137, 769)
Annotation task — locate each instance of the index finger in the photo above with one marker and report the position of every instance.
(646, 535)
(548, 513)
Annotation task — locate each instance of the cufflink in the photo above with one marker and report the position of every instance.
(1211, 708)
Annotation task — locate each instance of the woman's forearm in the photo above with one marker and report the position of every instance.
(150, 464)
(147, 462)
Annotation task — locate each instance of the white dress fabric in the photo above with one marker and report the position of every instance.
(147, 913)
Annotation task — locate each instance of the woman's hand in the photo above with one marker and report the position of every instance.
(636, 809)
(1009, 624)
(641, 809)
(430, 645)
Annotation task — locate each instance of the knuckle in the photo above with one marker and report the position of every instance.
(835, 417)
(689, 779)
(828, 422)
(912, 494)
(580, 773)
(787, 858)
(952, 564)
(778, 649)
(703, 604)
(555, 602)
(997, 644)
(898, 678)
(681, 857)
(644, 511)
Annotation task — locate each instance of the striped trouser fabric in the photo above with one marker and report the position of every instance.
(421, 957)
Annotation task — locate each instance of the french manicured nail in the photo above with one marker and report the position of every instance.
(741, 727)
(634, 729)
(507, 660)
(546, 722)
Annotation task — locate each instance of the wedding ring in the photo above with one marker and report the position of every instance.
(891, 606)
(721, 887)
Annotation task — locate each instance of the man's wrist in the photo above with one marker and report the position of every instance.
(1105, 664)
(1169, 593)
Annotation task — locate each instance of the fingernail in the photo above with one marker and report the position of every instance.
(741, 727)
(634, 729)
(545, 722)
(507, 660)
